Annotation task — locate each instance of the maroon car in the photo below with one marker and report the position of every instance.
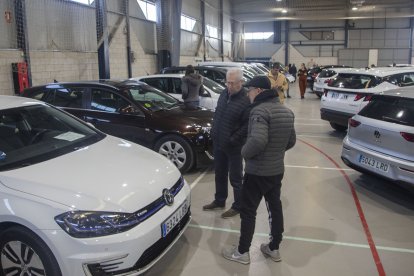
(136, 112)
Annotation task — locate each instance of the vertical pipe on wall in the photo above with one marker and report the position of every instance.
(203, 27)
(410, 58)
(286, 42)
(346, 33)
(102, 37)
(222, 30)
(128, 38)
(22, 35)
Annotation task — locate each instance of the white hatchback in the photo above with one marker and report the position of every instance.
(323, 78)
(171, 84)
(352, 89)
(74, 201)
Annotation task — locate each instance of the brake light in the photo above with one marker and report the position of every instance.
(367, 98)
(358, 97)
(408, 136)
(327, 81)
(353, 123)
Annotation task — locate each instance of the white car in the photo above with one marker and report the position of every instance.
(352, 89)
(75, 201)
(380, 137)
(321, 81)
(171, 84)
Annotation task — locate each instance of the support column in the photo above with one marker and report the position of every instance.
(410, 58)
(222, 30)
(286, 42)
(346, 33)
(102, 37)
(203, 28)
(128, 38)
(22, 35)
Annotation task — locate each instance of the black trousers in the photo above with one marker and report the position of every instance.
(228, 164)
(254, 188)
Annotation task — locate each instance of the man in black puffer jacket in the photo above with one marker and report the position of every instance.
(271, 133)
(229, 134)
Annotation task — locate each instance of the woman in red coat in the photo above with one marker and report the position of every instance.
(302, 74)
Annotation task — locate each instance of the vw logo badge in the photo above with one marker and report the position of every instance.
(377, 134)
(168, 197)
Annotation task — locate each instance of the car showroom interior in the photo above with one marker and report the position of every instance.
(207, 137)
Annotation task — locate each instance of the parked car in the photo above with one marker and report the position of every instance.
(76, 201)
(213, 73)
(323, 78)
(314, 72)
(380, 138)
(139, 113)
(171, 84)
(352, 89)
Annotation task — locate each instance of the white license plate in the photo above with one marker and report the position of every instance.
(370, 162)
(174, 219)
(340, 96)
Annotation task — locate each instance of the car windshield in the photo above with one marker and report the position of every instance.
(151, 98)
(213, 86)
(355, 81)
(36, 133)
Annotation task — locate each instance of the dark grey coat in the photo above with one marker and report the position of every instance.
(230, 120)
(270, 133)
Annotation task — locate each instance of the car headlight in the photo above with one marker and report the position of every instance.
(88, 224)
(206, 129)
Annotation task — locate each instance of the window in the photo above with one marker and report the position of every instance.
(257, 36)
(161, 84)
(355, 81)
(212, 31)
(187, 23)
(176, 86)
(86, 2)
(108, 101)
(148, 9)
(66, 97)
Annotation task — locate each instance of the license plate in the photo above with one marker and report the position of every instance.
(340, 96)
(371, 162)
(174, 219)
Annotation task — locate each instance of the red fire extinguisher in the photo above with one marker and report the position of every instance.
(22, 76)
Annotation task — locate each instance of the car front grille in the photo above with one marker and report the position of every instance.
(109, 267)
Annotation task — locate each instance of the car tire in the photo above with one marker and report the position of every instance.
(338, 127)
(178, 150)
(21, 250)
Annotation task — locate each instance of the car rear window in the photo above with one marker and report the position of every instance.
(391, 109)
(355, 81)
(326, 73)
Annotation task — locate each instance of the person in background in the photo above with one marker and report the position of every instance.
(271, 133)
(229, 133)
(293, 71)
(191, 88)
(303, 75)
(278, 82)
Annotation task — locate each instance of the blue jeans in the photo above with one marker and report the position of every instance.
(228, 164)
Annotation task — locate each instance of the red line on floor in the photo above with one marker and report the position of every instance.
(377, 260)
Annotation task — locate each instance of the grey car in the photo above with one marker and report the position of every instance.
(380, 137)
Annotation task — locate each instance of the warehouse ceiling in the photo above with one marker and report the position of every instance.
(269, 10)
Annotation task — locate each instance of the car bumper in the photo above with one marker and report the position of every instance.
(203, 146)
(128, 253)
(337, 117)
(396, 169)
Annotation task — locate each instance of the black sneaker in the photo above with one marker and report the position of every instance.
(230, 213)
(213, 206)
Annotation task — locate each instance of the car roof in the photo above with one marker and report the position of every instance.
(195, 68)
(405, 92)
(108, 83)
(378, 71)
(7, 102)
(159, 76)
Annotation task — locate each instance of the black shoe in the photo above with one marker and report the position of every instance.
(302, 98)
(289, 96)
(213, 206)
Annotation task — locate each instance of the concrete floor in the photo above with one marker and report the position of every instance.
(324, 231)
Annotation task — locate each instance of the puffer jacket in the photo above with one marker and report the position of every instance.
(270, 133)
(230, 120)
(192, 87)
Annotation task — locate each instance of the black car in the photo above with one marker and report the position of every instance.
(136, 112)
(314, 71)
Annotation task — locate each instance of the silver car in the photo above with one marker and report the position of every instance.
(380, 137)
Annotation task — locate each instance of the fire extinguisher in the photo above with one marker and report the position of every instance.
(22, 76)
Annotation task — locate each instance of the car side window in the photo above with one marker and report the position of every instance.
(161, 84)
(107, 101)
(66, 97)
(407, 79)
(176, 86)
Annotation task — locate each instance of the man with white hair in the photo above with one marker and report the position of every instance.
(229, 133)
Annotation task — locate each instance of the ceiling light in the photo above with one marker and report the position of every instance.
(354, 8)
(284, 11)
(278, 0)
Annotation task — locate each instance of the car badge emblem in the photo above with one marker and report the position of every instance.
(168, 197)
(377, 134)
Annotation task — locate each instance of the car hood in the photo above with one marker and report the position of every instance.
(202, 117)
(110, 175)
